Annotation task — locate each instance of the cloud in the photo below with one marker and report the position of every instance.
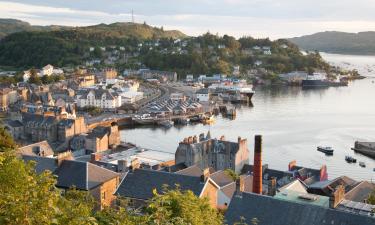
(258, 18)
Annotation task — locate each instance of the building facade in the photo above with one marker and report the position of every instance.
(216, 153)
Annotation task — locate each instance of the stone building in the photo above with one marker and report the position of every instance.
(102, 138)
(100, 182)
(51, 127)
(216, 153)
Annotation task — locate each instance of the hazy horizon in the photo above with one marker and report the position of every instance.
(256, 18)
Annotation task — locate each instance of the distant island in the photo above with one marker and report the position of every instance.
(362, 43)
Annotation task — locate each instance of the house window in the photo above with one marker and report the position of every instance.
(103, 195)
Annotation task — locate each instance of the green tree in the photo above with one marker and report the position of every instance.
(6, 141)
(232, 174)
(34, 78)
(177, 207)
(371, 198)
(25, 197)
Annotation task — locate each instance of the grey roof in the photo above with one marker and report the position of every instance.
(267, 173)
(14, 123)
(82, 175)
(271, 211)
(98, 93)
(360, 192)
(41, 163)
(98, 132)
(326, 188)
(193, 170)
(221, 178)
(38, 119)
(37, 149)
(140, 183)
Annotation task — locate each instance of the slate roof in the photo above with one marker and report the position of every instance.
(194, 171)
(82, 175)
(360, 192)
(267, 173)
(37, 149)
(326, 187)
(28, 118)
(221, 178)
(271, 211)
(140, 183)
(98, 132)
(41, 163)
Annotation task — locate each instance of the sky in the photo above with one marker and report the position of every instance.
(257, 18)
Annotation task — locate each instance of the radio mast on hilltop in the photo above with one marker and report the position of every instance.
(132, 16)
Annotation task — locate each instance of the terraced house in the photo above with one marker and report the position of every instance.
(100, 98)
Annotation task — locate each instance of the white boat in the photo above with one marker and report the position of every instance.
(362, 164)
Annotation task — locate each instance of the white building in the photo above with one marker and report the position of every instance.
(258, 63)
(130, 97)
(100, 98)
(26, 75)
(47, 70)
(203, 95)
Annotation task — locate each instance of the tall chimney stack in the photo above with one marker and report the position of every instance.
(257, 169)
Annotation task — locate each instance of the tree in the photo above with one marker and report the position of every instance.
(6, 141)
(25, 197)
(177, 207)
(232, 174)
(34, 78)
(371, 198)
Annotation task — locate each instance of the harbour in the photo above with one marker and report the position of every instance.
(294, 122)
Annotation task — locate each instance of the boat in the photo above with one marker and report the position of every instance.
(365, 148)
(326, 150)
(208, 118)
(181, 121)
(195, 119)
(350, 159)
(316, 80)
(166, 123)
(362, 164)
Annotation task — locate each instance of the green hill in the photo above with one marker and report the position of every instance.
(130, 45)
(362, 43)
(10, 26)
(27, 45)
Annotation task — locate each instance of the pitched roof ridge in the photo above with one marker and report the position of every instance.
(165, 172)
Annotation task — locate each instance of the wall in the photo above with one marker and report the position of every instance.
(211, 192)
(104, 194)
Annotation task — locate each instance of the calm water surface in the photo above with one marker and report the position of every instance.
(293, 123)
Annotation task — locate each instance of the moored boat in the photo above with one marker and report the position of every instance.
(362, 164)
(350, 159)
(326, 150)
(166, 123)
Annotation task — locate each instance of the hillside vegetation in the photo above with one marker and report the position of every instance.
(10, 26)
(134, 46)
(362, 43)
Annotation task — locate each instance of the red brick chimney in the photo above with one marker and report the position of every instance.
(257, 169)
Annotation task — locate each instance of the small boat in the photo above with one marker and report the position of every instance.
(350, 159)
(166, 123)
(208, 118)
(195, 119)
(326, 150)
(362, 164)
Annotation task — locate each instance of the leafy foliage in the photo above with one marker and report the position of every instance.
(6, 141)
(177, 207)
